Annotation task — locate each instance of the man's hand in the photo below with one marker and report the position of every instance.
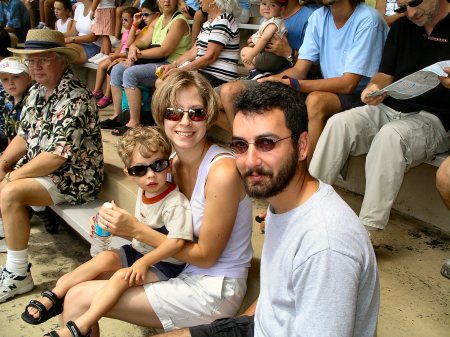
(279, 46)
(445, 81)
(372, 100)
(275, 78)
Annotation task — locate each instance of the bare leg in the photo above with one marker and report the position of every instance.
(106, 261)
(443, 181)
(320, 106)
(118, 27)
(228, 93)
(134, 97)
(108, 87)
(106, 45)
(49, 15)
(117, 100)
(101, 74)
(83, 58)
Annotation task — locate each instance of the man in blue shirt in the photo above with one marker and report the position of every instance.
(14, 17)
(347, 38)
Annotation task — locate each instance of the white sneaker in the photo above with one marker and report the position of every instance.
(100, 59)
(115, 42)
(2, 245)
(12, 284)
(96, 56)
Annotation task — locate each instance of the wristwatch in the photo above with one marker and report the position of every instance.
(290, 58)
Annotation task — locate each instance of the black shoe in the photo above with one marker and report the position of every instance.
(48, 219)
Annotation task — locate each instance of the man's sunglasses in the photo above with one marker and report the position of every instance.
(195, 115)
(263, 144)
(141, 170)
(403, 8)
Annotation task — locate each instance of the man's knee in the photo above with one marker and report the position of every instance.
(228, 91)
(443, 179)
(322, 105)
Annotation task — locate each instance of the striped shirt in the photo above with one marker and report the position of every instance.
(224, 31)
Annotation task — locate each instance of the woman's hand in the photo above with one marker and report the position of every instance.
(133, 53)
(70, 39)
(166, 69)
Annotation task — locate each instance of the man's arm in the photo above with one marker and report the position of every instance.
(15, 150)
(41, 165)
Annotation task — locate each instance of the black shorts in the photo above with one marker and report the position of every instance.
(241, 326)
(350, 101)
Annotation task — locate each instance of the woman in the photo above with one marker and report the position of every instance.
(216, 51)
(214, 282)
(166, 39)
(80, 36)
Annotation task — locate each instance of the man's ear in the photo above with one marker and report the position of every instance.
(303, 145)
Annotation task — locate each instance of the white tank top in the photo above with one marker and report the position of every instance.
(62, 27)
(235, 259)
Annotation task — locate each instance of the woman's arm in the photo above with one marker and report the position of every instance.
(178, 29)
(212, 54)
(91, 37)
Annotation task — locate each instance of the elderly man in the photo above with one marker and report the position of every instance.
(318, 268)
(395, 134)
(56, 156)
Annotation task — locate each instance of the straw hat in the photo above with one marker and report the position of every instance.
(44, 40)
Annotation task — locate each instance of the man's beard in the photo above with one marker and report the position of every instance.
(275, 185)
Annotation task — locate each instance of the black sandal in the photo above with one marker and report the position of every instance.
(120, 130)
(75, 331)
(51, 334)
(110, 123)
(44, 314)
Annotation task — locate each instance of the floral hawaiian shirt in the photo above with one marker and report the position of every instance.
(66, 125)
(10, 115)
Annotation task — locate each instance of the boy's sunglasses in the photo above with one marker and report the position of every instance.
(263, 144)
(195, 115)
(148, 14)
(141, 170)
(403, 8)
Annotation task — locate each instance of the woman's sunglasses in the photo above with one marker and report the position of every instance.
(403, 8)
(141, 170)
(195, 115)
(263, 144)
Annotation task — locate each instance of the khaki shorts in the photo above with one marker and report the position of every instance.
(189, 300)
(52, 190)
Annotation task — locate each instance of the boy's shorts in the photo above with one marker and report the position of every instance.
(241, 326)
(128, 255)
(56, 196)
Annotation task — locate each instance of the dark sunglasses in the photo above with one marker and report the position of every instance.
(148, 14)
(403, 8)
(141, 170)
(263, 144)
(195, 115)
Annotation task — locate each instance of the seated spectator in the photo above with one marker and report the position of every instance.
(167, 38)
(81, 38)
(56, 156)
(296, 20)
(318, 268)
(253, 56)
(213, 283)
(388, 10)
(160, 205)
(15, 80)
(5, 37)
(216, 51)
(63, 13)
(46, 13)
(395, 134)
(347, 38)
(14, 17)
(127, 22)
(104, 13)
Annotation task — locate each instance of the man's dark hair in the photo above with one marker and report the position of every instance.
(151, 5)
(271, 95)
(5, 42)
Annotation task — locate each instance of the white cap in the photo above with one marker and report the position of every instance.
(13, 65)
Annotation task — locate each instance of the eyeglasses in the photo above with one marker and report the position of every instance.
(195, 115)
(44, 61)
(141, 170)
(148, 14)
(263, 144)
(403, 8)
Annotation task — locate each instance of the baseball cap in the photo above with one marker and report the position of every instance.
(13, 65)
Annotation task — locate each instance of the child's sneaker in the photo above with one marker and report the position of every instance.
(101, 58)
(95, 57)
(104, 102)
(97, 94)
(12, 284)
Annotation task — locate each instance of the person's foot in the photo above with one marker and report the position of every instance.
(2, 244)
(104, 102)
(445, 270)
(110, 123)
(97, 94)
(12, 284)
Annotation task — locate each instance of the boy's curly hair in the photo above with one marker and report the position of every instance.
(145, 139)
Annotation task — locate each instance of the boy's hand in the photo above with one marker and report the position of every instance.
(135, 275)
(137, 18)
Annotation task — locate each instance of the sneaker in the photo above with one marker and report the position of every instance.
(12, 284)
(2, 244)
(261, 75)
(99, 59)
(96, 56)
(104, 102)
(48, 219)
(41, 25)
(115, 42)
(97, 94)
(445, 270)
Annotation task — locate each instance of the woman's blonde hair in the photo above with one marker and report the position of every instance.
(147, 140)
(166, 95)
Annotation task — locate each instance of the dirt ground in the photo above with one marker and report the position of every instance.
(414, 296)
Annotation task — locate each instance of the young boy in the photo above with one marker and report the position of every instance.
(254, 57)
(145, 153)
(16, 81)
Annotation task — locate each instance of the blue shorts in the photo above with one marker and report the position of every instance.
(90, 49)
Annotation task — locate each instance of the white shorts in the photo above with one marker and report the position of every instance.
(56, 196)
(189, 300)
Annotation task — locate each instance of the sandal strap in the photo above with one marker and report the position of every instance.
(51, 296)
(43, 312)
(75, 331)
(52, 334)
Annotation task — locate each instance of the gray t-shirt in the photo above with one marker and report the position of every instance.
(318, 272)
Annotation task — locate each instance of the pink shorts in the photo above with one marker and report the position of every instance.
(104, 21)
